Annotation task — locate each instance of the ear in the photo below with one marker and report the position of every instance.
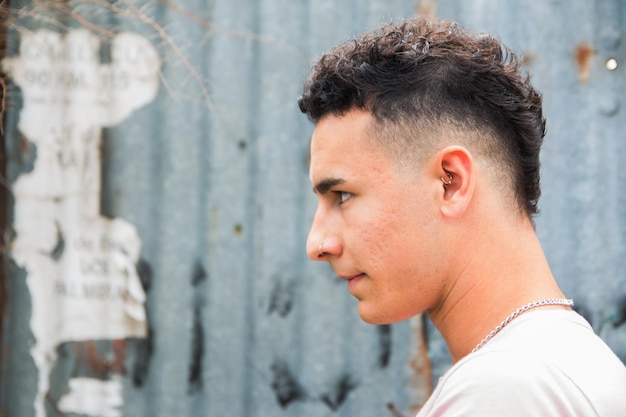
(456, 167)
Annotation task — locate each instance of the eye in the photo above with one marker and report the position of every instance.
(343, 196)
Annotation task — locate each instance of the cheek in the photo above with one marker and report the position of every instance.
(386, 234)
(400, 239)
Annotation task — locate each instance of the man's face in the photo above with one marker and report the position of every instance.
(377, 220)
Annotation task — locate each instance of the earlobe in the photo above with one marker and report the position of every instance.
(457, 166)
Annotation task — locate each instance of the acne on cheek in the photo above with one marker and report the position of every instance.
(378, 238)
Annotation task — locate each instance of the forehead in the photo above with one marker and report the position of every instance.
(344, 142)
(358, 122)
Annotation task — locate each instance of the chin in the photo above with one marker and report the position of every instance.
(372, 316)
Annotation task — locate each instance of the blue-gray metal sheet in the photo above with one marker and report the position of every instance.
(568, 46)
(213, 175)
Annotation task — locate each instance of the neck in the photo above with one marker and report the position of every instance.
(499, 276)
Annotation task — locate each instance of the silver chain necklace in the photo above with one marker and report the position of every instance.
(522, 309)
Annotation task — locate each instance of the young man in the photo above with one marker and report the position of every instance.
(425, 162)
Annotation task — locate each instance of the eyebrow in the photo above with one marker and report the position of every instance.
(323, 186)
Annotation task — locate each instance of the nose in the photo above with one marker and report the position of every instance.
(322, 247)
(323, 242)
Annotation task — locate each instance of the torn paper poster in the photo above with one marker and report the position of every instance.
(80, 265)
(93, 397)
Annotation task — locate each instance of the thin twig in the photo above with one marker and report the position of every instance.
(137, 14)
(78, 17)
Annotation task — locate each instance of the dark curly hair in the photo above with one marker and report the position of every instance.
(419, 76)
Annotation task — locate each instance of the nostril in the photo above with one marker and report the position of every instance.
(320, 250)
(313, 249)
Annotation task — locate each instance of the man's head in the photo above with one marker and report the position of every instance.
(429, 84)
(424, 159)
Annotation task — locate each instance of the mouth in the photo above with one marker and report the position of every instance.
(350, 277)
(353, 280)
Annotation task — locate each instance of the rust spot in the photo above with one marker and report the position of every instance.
(582, 55)
(426, 7)
(420, 363)
(88, 355)
(528, 58)
(24, 143)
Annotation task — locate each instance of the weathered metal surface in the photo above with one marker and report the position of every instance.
(4, 194)
(575, 52)
(204, 187)
(211, 173)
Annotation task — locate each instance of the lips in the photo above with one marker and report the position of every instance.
(353, 281)
(350, 277)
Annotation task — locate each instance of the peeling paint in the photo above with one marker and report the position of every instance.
(195, 378)
(385, 345)
(93, 397)
(282, 298)
(340, 390)
(81, 266)
(285, 386)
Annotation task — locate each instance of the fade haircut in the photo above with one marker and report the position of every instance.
(421, 76)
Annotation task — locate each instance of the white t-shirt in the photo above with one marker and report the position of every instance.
(545, 363)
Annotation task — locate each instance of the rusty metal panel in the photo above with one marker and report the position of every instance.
(160, 202)
(157, 266)
(576, 54)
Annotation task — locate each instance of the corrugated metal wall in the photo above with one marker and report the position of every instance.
(199, 178)
(571, 49)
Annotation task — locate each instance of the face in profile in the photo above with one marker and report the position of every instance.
(375, 220)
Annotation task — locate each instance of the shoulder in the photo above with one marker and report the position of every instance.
(502, 373)
(547, 363)
(497, 383)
